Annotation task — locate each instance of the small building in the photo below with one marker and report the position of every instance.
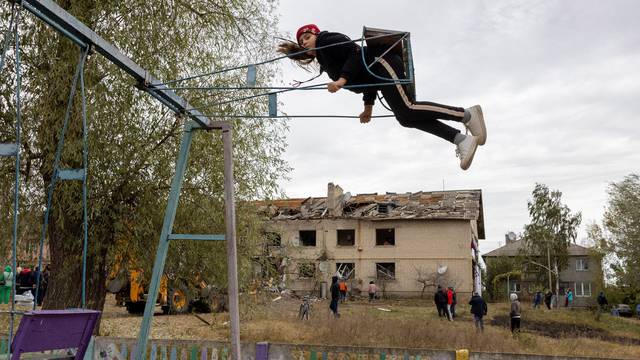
(581, 274)
(405, 243)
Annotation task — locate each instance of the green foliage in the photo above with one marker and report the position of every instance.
(618, 239)
(496, 268)
(552, 228)
(133, 141)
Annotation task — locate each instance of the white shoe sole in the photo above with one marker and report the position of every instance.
(467, 164)
(482, 137)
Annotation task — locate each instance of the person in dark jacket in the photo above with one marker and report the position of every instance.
(478, 309)
(602, 300)
(335, 296)
(342, 60)
(547, 299)
(440, 299)
(537, 299)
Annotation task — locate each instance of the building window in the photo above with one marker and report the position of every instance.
(514, 286)
(386, 271)
(346, 237)
(346, 270)
(582, 265)
(582, 289)
(306, 270)
(385, 237)
(308, 237)
(273, 239)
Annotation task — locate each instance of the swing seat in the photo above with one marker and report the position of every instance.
(62, 334)
(381, 40)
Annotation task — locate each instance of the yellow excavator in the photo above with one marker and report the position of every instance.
(175, 296)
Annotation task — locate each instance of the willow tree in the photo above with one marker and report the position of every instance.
(133, 141)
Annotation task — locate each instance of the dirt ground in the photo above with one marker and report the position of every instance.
(399, 323)
(410, 323)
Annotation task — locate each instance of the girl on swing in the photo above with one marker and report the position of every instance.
(343, 63)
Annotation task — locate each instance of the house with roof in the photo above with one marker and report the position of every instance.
(581, 274)
(406, 243)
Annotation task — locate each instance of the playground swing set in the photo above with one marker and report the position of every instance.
(79, 324)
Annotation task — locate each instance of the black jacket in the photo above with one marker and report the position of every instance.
(345, 61)
(440, 298)
(478, 305)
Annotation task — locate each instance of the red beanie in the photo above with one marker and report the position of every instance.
(309, 28)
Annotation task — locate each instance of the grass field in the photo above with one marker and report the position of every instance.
(409, 324)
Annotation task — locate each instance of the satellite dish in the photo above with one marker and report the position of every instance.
(442, 269)
(323, 266)
(511, 236)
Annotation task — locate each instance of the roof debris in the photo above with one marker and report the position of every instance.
(453, 204)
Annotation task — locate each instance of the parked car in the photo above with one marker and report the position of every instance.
(638, 311)
(622, 310)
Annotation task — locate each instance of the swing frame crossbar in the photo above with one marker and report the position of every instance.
(86, 39)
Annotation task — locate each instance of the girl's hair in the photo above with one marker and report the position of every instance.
(296, 53)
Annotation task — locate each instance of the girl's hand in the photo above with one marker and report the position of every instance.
(365, 116)
(336, 85)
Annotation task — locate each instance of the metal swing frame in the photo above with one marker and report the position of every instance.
(85, 38)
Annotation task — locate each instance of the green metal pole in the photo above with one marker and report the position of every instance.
(16, 190)
(163, 244)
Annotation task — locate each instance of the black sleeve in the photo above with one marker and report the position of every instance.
(353, 65)
(347, 51)
(369, 97)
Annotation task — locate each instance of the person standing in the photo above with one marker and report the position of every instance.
(342, 285)
(569, 298)
(449, 302)
(602, 300)
(372, 291)
(438, 298)
(454, 302)
(335, 296)
(478, 309)
(515, 314)
(7, 284)
(537, 299)
(547, 299)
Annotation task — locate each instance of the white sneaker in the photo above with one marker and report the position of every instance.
(475, 125)
(465, 151)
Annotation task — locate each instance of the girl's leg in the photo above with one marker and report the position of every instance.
(421, 115)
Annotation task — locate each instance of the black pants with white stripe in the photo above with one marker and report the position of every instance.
(420, 115)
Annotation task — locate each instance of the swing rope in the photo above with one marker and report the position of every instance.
(56, 173)
(268, 60)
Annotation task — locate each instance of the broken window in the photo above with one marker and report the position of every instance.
(386, 271)
(306, 270)
(308, 237)
(346, 237)
(273, 239)
(346, 270)
(385, 237)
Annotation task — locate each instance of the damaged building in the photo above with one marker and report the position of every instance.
(406, 243)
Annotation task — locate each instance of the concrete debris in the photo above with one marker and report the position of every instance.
(455, 204)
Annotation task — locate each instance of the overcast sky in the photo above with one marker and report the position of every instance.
(558, 81)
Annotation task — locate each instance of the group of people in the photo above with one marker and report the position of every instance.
(339, 291)
(25, 280)
(446, 300)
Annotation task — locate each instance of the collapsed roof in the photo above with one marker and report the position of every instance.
(445, 205)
